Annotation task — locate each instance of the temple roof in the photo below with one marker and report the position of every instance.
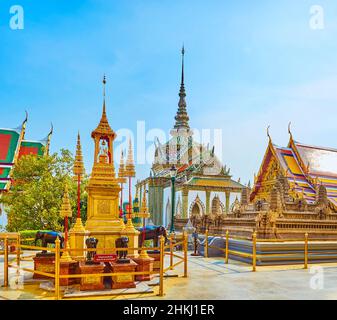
(305, 167)
(103, 127)
(214, 182)
(322, 161)
(202, 160)
(13, 146)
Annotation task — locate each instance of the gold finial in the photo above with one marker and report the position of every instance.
(103, 127)
(26, 119)
(130, 166)
(144, 210)
(289, 130)
(121, 171)
(65, 207)
(268, 135)
(78, 165)
(104, 83)
(46, 152)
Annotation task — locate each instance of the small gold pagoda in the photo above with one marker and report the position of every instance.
(144, 214)
(77, 234)
(103, 220)
(66, 213)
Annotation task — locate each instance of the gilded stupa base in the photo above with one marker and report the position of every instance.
(66, 256)
(144, 255)
(129, 226)
(78, 226)
(77, 237)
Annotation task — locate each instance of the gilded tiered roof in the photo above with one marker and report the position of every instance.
(144, 210)
(78, 165)
(121, 170)
(65, 207)
(103, 127)
(130, 165)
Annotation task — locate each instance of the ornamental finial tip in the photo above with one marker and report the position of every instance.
(289, 130)
(268, 135)
(26, 119)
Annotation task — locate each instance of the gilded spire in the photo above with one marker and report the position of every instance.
(65, 207)
(130, 165)
(182, 117)
(103, 126)
(121, 171)
(78, 164)
(144, 210)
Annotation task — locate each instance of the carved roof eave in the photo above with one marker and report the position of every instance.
(22, 132)
(103, 132)
(270, 148)
(293, 147)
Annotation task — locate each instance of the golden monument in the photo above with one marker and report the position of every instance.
(103, 219)
(77, 234)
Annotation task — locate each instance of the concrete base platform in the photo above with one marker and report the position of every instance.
(74, 291)
(141, 287)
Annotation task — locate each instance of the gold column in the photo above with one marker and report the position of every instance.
(185, 203)
(228, 194)
(208, 207)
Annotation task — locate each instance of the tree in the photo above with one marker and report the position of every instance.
(35, 198)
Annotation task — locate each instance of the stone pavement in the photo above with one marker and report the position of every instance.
(211, 279)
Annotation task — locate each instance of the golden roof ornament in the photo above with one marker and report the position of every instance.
(103, 127)
(144, 210)
(66, 207)
(130, 165)
(121, 171)
(78, 164)
(268, 134)
(182, 118)
(289, 131)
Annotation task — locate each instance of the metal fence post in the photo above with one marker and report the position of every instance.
(206, 244)
(161, 272)
(57, 269)
(227, 246)
(306, 251)
(254, 251)
(185, 254)
(171, 251)
(6, 261)
(18, 253)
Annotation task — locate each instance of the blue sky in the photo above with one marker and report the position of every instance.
(248, 65)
